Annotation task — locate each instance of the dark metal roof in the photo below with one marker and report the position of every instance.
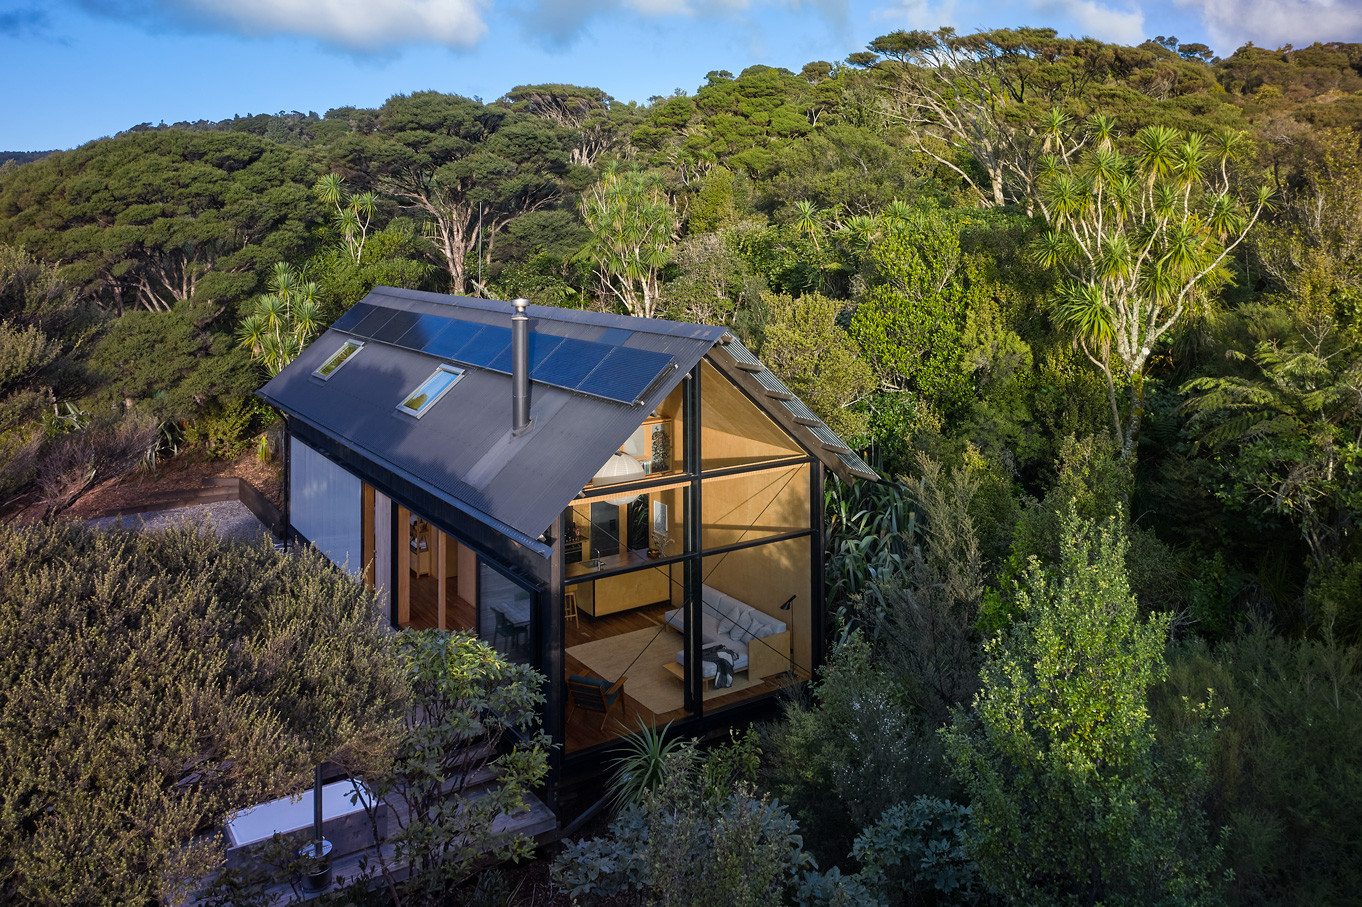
(462, 448)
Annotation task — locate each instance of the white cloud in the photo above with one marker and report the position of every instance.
(1105, 23)
(362, 25)
(1272, 23)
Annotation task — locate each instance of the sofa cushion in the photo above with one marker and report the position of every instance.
(742, 629)
(739, 660)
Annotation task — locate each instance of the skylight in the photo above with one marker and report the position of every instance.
(338, 358)
(432, 389)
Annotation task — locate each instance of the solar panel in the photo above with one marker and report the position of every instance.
(395, 327)
(569, 363)
(452, 339)
(373, 321)
(599, 368)
(614, 336)
(485, 346)
(541, 345)
(426, 329)
(353, 316)
(624, 374)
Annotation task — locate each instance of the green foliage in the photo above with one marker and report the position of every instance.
(690, 842)
(633, 225)
(916, 851)
(392, 257)
(920, 620)
(870, 528)
(1139, 241)
(1072, 798)
(155, 683)
(471, 714)
(644, 757)
(911, 321)
(151, 219)
(283, 321)
(857, 749)
(466, 168)
(1286, 777)
(223, 430)
(168, 364)
(1285, 433)
(811, 352)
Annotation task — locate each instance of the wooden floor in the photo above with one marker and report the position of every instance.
(425, 610)
(583, 728)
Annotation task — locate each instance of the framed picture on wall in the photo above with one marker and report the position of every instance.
(659, 517)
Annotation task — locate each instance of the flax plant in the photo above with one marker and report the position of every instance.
(1139, 239)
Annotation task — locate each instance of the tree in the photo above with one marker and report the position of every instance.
(1138, 241)
(471, 714)
(156, 683)
(1073, 798)
(911, 321)
(154, 218)
(633, 226)
(993, 94)
(282, 321)
(1288, 433)
(353, 212)
(467, 168)
(813, 354)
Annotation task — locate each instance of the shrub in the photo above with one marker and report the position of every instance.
(153, 684)
(689, 842)
(468, 703)
(1072, 798)
(916, 852)
(856, 750)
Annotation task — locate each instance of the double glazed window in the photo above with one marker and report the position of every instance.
(432, 389)
(338, 358)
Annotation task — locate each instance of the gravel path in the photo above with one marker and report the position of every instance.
(229, 519)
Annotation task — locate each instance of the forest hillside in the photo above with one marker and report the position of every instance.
(1095, 309)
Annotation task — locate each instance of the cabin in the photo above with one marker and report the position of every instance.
(632, 506)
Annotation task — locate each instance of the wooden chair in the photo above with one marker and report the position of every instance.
(595, 695)
(570, 608)
(420, 547)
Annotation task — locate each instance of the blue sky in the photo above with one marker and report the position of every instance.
(77, 70)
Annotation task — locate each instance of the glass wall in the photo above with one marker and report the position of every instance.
(756, 613)
(734, 431)
(506, 615)
(754, 505)
(324, 506)
(623, 609)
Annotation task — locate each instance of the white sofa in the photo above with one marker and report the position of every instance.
(760, 642)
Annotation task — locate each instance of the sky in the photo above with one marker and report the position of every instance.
(78, 70)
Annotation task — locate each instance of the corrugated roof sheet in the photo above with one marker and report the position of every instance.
(462, 446)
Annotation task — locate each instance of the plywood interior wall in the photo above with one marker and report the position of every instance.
(752, 505)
